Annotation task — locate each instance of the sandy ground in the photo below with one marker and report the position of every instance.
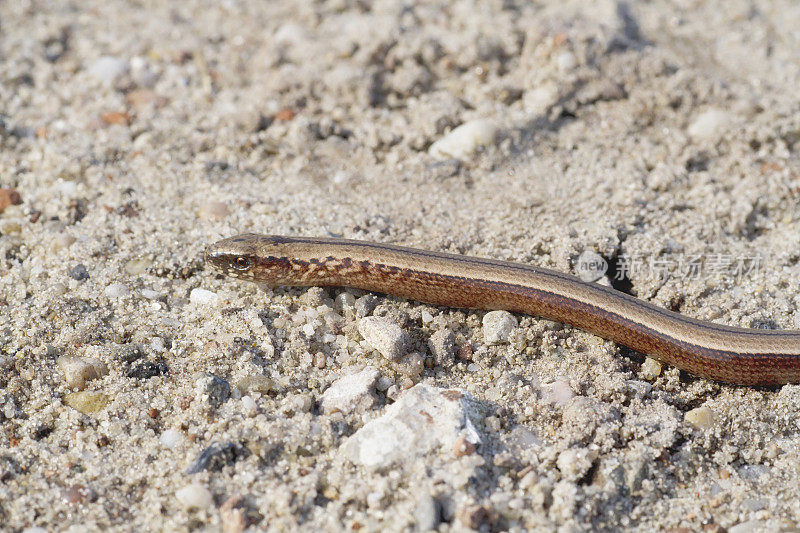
(141, 391)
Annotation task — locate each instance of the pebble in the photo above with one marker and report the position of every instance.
(751, 526)
(464, 140)
(108, 69)
(423, 419)
(709, 125)
(79, 272)
(365, 305)
(443, 347)
(566, 61)
(212, 389)
(385, 336)
(213, 210)
(355, 392)
(151, 294)
(258, 383)
(249, 407)
(9, 197)
(195, 496)
(216, 456)
(427, 513)
(344, 301)
(87, 402)
(497, 326)
(412, 365)
(538, 100)
(558, 393)
(701, 417)
(171, 438)
(137, 266)
(203, 297)
(651, 368)
(148, 369)
(78, 370)
(63, 241)
(116, 290)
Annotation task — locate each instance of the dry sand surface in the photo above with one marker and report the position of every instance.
(142, 391)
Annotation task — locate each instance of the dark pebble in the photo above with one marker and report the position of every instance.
(148, 369)
(216, 456)
(218, 391)
(79, 272)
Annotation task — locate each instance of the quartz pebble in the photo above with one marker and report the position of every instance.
(710, 125)
(575, 462)
(423, 419)
(411, 365)
(213, 210)
(385, 336)
(464, 140)
(365, 305)
(497, 326)
(701, 417)
(427, 514)
(558, 393)
(195, 496)
(78, 370)
(107, 69)
(203, 297)
(87, 402)
(443, 347)
(355, 392)
(651, 368)
(171, 438)
(116, 290)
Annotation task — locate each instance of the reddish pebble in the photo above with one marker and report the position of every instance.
(284, 114)
(464, 352)
(9, 197)
(153, 413)
(115, 117)
(145, 98)
(463, 447)
(77, 494)
(35, 216)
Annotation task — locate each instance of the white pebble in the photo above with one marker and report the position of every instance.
(213, 210)
(195, 496)
(462, 142)
(151, 294)
(709, 125)
(350, 393)
(171, 438)
(78, 370)
(559, 393)
(540, 99)
(107, 69)
(427, 318)
(497, 326)
(116, 290)
(308, 329)
(383, 335)
(566, 61)
(249, 407)
(203, 297)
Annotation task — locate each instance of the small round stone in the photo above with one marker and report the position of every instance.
(213, 210)
(203, 297)
(171, 438)
(79, 272)
(116, 290)
(701, 417)
(195, 496)
(651, 368)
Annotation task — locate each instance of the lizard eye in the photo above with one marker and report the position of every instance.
(241, 263)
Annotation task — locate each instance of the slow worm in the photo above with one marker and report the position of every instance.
(723, 353)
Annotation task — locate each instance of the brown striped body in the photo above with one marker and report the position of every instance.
(728, 354)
